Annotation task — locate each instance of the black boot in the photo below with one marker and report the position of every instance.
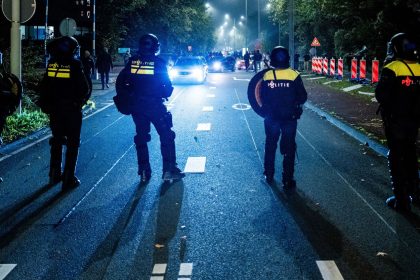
(145, 175)
(173, 174)
(70, 181)
(401, 200)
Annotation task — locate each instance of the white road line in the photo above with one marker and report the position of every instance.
(237, 79)
(195, 165)
(47, 136)
(347, 183)
(157, 278)
(170, 103)
(207, 109)
(185, 269)
(250, 131)
(329, 270)
(211, 95)
(352, 88)
(184, 278)
(159, 268)
(94, 186)
(5, 269)
(316, 78)
(100, 131)
(212, 88)
(203, 127)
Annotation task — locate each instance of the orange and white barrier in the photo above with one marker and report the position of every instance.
(353, 75)
(362, 69)
(319, 65)
(332, 67)
(340, 69)
(325, 66)
(375, 71)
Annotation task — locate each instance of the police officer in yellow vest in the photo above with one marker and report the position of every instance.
(282, 96)
(63, 91)
(398, 92)
(145, 78)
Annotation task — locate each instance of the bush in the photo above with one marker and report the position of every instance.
(20, 125)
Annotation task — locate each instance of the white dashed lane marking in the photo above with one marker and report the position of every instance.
(185, 269)
(208, 109)
(195, 165)
(5, 269)
(329, 270)
(211, 95)
(203, 126)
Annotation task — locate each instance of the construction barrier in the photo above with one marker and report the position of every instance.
(313, 65)
(362, 69)
(340, 69)
(320, 65)
(325, 66)
(332, 67)
(353, 75)
(375, 71)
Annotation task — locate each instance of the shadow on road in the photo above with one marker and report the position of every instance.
(324, 236)
(21, 216)
(97, 265)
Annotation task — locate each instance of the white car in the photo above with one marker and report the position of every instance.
(189, 69)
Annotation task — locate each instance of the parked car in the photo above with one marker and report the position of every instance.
(222, 64)
(189, 69)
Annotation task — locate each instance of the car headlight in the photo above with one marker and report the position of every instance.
(197, 73)
(173, 73)
(217, 65)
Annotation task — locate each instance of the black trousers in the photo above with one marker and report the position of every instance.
(65, 126)
(161, 119)
(402, 157)
(273, 131)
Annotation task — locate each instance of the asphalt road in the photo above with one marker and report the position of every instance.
(223, 222)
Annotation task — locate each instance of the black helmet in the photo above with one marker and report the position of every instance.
(403, 46)
(149, 45)
(279, 57)
(65, 46)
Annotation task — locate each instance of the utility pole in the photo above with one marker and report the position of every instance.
(46, 33)
(291, 5)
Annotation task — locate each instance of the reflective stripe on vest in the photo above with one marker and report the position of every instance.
(142, 69)
(58, 71)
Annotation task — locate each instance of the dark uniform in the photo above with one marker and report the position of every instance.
(398, 93)
(282, 94)
(147, 78)
(63, 92)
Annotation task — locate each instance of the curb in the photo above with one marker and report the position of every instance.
(362, 138)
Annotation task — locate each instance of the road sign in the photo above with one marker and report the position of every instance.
(315, 43)
(68, 27)
(27, 9)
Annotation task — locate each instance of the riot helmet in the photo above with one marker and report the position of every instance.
(279, 57)
(149, 45)
(403, 46)
(65, 47)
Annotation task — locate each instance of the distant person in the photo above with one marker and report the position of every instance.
(398, 93)
(104, 65)
(63, 91)
(146, 82)
(127, 56)
(306, 62)
(296, 61)
(247, 57)
(282, 95)
(257, 61)
(88, 67)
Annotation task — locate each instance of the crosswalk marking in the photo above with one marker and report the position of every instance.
(195, 165)
(185, 269)
(207, 108)
(159, 268)
(5, 269)
(329, 270)
(203, 126)
(157, 277)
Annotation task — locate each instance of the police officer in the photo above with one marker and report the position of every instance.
(147, 78)
(283, 95)
(63, 91)
(398, 92)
